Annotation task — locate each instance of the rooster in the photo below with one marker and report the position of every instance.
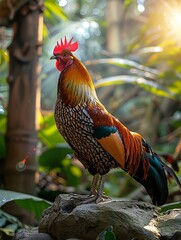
(99, 140)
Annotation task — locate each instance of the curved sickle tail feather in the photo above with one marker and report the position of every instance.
(156, 181)
(170, 173)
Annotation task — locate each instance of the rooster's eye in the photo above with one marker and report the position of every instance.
(65, 54)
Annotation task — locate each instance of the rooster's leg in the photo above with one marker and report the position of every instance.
(100, 196)
(100, 189)
(96, 192)
(96, 195)
(95, 179)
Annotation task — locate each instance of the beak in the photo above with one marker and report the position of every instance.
(53, 57)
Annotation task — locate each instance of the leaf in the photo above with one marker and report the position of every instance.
(2, 221)
(33, 204)
(56, 158)
(175, 87)
(4, 57)
(12, 227)
(128, 3)
(149, 85)
(170, 206)
(53, 12)
(45, 32)
(73, 174)
(75, 171)
(3, 120)
(151, 49)
(49, 134)
(107, 234)
(121, 62)
(9, 219)
(9, 224)
(6, 232)
(52, 157)
(2, 147)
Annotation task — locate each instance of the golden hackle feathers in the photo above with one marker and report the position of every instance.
(76, 84)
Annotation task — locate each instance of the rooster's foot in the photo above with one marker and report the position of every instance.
(91, 199)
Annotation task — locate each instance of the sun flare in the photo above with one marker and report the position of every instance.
(173, 18)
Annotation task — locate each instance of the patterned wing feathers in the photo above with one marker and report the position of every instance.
(114, 146)
(106, 133)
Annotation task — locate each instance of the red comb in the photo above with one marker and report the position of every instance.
(65, 46)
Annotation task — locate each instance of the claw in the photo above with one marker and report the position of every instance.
(96, 193)
(94, 199)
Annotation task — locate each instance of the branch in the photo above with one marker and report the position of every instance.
(8, 9)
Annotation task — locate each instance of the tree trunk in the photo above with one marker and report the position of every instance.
(114, 12)
(24, 98)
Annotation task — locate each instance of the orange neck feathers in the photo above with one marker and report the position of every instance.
(75, 84)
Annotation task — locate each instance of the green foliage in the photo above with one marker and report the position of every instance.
(2, 136)
(9, 225)
(53, 157)
(33, 205)
(107, 234)
(161, 37)
(3, 121)
(170, 206)
(2, 147)
(123, 63)
(151, 83)
(4, 56)
(148, 85)
(48, 133)
(28, 202)
(56, 158)
(128, 3)
(53, 12)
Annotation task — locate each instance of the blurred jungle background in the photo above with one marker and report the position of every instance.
(132, 49)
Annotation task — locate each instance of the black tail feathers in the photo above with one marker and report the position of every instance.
(156, 181)
(170, 173)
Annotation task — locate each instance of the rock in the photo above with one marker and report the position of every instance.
(130, 220)
(169, 225)
(31, 235)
